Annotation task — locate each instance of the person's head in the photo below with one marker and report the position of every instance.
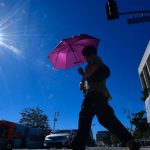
(88, 51)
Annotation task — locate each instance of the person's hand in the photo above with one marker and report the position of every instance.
(82, 87)
(81, 71)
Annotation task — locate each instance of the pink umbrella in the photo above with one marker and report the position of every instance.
(68, 52)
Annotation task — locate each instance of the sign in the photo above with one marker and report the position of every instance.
(138, 20)
(147, 106)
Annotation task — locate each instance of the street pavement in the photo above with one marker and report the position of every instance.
(91, 148)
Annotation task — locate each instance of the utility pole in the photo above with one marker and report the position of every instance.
(113, 13)
(127, 112)
(55, 119)
(93, 124)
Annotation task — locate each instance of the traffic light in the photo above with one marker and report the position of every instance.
(112, 10)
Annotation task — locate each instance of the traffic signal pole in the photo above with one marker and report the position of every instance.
(135, 12)
(140, 19)
(113, 13)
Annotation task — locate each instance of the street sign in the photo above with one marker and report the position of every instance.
(139, 20)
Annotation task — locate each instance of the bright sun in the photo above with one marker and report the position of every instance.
(1, 37)
(6, 38)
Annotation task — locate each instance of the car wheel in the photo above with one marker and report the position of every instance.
(58, 147)
(9, 146)
(69, 147)
(47, 147)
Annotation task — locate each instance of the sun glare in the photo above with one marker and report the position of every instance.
(6, 38)
(1, 37)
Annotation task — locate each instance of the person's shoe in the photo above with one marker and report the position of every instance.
(133, 145)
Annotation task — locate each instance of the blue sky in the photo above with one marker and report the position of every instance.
(29, 31)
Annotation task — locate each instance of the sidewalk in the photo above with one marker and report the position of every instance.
(91, 148)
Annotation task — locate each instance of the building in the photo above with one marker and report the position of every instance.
(144, 73)
(14, 135)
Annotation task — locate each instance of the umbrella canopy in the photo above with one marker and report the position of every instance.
(68, 52)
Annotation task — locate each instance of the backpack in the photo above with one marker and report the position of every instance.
(102, 73)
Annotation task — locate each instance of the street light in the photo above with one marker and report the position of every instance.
(55, 119)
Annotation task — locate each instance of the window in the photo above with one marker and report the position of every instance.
(143, 81)
(147, 77)
(148, 63)
(3, 131)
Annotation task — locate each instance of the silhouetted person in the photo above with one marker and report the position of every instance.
(96, 97)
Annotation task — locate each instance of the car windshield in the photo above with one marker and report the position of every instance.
(62, 131)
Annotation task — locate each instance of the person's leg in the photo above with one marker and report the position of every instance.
(85, 119)
(107, 118)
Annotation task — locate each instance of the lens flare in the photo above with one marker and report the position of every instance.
(7, 37)
(1, 37)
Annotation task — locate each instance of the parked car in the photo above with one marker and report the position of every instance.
(143, 142)
(59, 138)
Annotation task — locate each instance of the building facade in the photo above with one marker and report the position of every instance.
(144, 73)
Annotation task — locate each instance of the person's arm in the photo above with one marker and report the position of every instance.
(91, 70)
(82, 82)
(94, 65)
(81, 72)
(82, 85)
